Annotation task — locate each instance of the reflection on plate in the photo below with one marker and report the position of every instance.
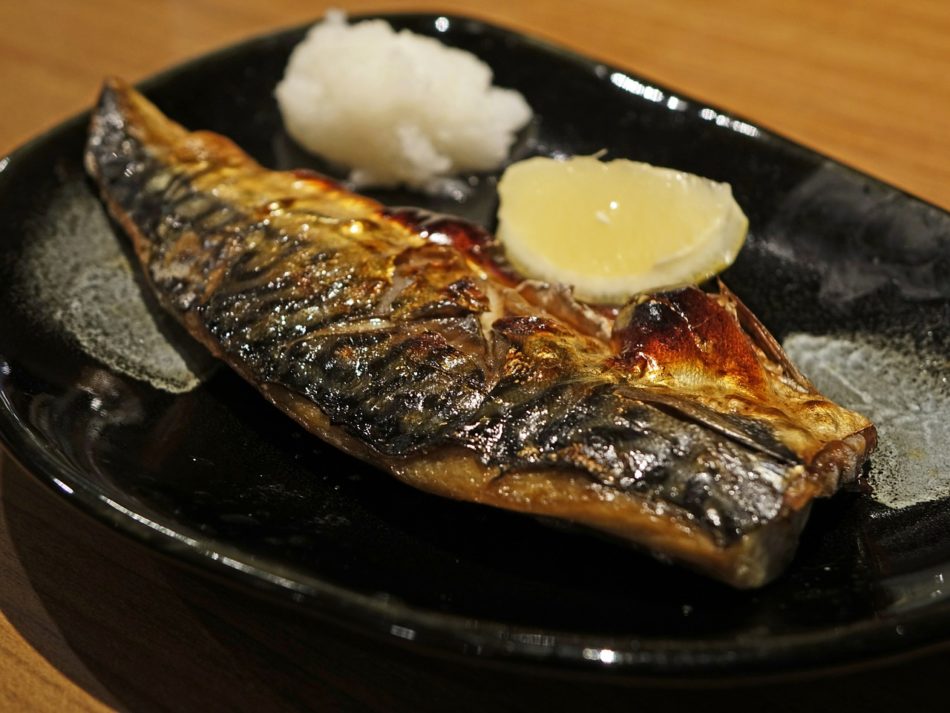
(849, 272)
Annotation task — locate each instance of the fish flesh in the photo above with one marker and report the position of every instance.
(675, 423)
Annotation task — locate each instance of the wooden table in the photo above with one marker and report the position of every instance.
(90, 621)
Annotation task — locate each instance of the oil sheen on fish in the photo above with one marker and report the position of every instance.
(678, 424)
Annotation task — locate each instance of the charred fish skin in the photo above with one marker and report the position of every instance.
(404, 347)
(287, 296)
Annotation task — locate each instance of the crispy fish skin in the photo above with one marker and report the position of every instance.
(679, 426)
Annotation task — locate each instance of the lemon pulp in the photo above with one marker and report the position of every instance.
(616, 229)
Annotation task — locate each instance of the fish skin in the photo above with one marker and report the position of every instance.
(685, 431)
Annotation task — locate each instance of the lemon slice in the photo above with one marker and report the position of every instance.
(616, 229)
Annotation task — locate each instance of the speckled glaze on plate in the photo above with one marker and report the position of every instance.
(852, 275)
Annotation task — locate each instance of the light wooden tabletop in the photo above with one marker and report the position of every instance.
(89, 621)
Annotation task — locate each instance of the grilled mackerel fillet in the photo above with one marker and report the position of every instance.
(677, 424)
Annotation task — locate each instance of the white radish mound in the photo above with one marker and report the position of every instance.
(396, 107)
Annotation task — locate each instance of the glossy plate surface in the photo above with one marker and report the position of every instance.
(850, 274)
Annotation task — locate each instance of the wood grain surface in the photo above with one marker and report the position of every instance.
(90, 621)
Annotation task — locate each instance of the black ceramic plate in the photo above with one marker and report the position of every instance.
(850, 273)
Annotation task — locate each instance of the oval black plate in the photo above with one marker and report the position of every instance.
(218, 478)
